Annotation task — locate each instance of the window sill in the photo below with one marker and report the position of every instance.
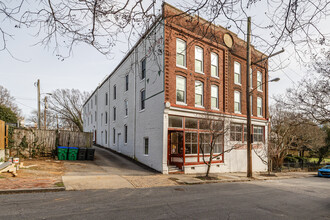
(146, 155)
(199, 106)
(182, 67)
(142, 80)
(142, 110)
(216, 109)
(259, 90)
(238, 112)
(181, 103)
(196, 71)
(216, 77)
(126, 116)
(238, 84)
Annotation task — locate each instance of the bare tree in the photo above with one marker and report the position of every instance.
(311, 96)
(7, 100)
(211, 142)
(68, 105)
(102, 23)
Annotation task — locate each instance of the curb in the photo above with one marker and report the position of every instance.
(181, 182)
(32, 190)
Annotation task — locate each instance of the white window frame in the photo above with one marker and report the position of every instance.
(215, 56)
(238, 101)
(259, 81)
(259, 107)
(215, 87)
(126, 107)
(144, 146)
(106, 98)
(184, 91)
(125, 134)
(198, 50)
(237, 72)
(199, 83)
(183, 53)
(142, 100)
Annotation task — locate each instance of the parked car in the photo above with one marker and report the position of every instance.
(324, 171)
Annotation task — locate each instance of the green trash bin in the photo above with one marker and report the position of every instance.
(73, 153)
(62, 152)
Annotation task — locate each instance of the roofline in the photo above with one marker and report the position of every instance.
(158, 19)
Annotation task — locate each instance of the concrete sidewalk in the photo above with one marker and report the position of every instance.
(112, 171)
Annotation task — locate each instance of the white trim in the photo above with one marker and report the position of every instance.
(183, 67)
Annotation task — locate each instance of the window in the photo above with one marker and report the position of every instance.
(237, 73)
(126, 107)
(198, 93)
(258, 134)
(204, 141)
(198, 59)
(91, 118)
(95, 116)
(101, 119)
(114, 135)
(146, 146)
(125, 127)
(106, 137)
(114, 113)
(218, 143)
(106, 98)
(259, 106)
(95, 100)
(237, 102)
(214, 65)
(175, 122)
(180, 89)
(214, 97)
(245, 133)
(191, 143)
(236, 132)
(126, 82)
(114, 92)
(191, 123)
(92, 104)
(259, 81)
(180, 52)
(143, 97)
(106, 117)
(143, 64)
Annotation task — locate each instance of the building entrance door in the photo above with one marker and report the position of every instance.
(175, 148)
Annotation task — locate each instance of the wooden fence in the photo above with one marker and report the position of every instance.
(34, 142)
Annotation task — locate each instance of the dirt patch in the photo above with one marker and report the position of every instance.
(35, 173)
(150, 181)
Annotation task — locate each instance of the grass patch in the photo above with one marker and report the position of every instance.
(2, 177)
(59, 184)
(314, 159)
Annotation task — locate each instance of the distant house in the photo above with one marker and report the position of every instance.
(152, 106)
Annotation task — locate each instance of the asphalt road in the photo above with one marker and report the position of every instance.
(305, 198)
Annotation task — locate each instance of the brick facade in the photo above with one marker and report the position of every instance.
(193, 30)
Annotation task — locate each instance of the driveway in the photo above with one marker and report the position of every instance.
(109, 171)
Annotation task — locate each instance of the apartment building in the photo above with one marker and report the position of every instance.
(154, 105)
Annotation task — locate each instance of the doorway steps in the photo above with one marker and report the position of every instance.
(172, 169)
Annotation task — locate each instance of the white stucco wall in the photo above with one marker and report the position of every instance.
(140, 123)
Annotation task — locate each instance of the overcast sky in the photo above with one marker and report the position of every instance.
(86, 68)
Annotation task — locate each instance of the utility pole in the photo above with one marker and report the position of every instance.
(248, 108)
(38, 89)
(45, 113)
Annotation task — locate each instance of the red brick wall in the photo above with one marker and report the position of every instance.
(184, 28)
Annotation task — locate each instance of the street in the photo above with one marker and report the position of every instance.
(304, 198)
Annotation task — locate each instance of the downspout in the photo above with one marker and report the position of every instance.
(135, 75)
